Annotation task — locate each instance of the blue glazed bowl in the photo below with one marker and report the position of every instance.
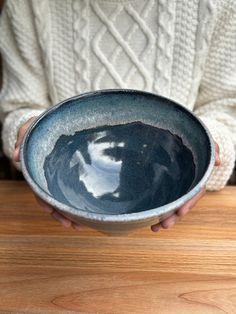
(117, 160)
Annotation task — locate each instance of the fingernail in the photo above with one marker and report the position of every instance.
(218, 162)
(155, 228)
(183, 211)
(15, 154)
(169, 223)
(65, 222)
(47, 209)
(76, 226)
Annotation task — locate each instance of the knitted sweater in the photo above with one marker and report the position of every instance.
(183, 50)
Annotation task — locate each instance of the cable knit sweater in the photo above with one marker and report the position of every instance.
(184, 50)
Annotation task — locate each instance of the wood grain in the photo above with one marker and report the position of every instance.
(45, 268)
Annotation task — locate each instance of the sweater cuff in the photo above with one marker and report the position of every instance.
(11, 125)
(223, 138)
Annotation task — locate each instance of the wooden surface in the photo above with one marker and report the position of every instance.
(45, 268)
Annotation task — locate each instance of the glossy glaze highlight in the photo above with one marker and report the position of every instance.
(119, 169)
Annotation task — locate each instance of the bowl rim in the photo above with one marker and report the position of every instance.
(116, 218)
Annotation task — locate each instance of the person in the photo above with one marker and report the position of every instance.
(53, 50)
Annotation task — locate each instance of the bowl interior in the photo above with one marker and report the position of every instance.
(116, 152)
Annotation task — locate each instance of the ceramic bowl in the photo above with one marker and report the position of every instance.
(117, 160)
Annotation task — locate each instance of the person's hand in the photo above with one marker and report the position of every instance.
(170, 221)
(48, 208)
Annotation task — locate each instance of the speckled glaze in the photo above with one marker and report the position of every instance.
(117, 160)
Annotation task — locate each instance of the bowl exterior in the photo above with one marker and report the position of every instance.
(113, 224)
(117, 228)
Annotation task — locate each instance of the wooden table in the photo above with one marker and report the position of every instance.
(45, 268)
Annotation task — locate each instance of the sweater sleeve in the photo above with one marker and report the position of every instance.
(24, 92)
(216, 102)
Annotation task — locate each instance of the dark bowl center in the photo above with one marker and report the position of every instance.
(119, 169)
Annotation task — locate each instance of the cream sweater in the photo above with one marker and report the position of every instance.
(181, 49)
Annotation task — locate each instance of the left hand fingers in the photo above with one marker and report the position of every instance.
(165, 224)
(170, 221)
(191, 203)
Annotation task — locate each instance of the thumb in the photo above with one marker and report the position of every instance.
(20, 136)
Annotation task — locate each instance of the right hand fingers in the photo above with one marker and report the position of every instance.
(20, 136)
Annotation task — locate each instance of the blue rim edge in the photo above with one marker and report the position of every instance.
(132, 217)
